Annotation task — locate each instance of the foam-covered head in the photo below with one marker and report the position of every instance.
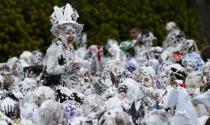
(133, 89)
(37, 58)
(178, 72)
(11, 61)
(114, 117)
(190, 45)
(146, 75)
(102, 82)
(42, 94)
(113, 48)
(156, 117)
(26, 85)
(131, 65)
(194, 79)
(170, 26)
(27, 57)
(51, 113)
(148, 38)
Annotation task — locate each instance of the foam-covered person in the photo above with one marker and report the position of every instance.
(171, 29)
(179, 98)
(60, 56)
(192, 60)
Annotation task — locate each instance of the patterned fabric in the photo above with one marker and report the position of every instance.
(194, 59)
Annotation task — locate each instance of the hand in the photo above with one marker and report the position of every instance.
(7, 105)
(73, 63)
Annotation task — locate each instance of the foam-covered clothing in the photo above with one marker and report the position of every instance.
(194, 59)
(185, 113)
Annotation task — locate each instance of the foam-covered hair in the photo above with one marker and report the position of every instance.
(42, 94)
(170, 26)
(156, 117)
(50, 113)
(114, 117)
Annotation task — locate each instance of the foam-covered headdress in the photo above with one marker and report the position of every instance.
(64, 17)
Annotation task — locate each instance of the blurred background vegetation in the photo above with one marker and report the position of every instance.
(25, 24)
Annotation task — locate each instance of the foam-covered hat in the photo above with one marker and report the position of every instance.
(63, 17)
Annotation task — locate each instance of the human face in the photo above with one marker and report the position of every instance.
(133, 33)
(68, 34)
(71, 36)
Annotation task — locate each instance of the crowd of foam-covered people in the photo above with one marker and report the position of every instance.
(130, 83)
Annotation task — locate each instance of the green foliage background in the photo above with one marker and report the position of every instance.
(25, 24)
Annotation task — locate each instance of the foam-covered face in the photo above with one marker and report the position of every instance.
(37, 58)
(68, 35)
(71, 36)
(147, 80)
(146, 76)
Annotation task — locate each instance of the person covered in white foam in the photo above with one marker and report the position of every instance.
(60, 57)
(179, 99)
